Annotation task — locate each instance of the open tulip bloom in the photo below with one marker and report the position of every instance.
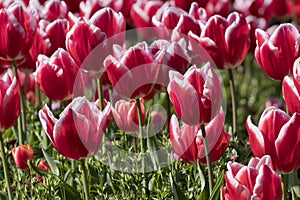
(79, 130)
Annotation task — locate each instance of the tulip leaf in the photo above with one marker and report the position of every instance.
(3, 195)
(204, 187)
(296, 190)
(178, 194)
(51, 163)
(215, 195)
(71, 192)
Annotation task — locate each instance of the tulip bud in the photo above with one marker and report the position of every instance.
(21, 155)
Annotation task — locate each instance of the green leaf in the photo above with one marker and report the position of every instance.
(178, 194)
(51, 163)
(3, 196)
(71, 192)
(204, 187)
(296, 190)
(215, 195)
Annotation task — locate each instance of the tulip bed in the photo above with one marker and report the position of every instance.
(160, 99)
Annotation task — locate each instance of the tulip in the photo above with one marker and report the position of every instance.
(257, 180)
(277, 135)
(17, 32)
(226, 40)
(296, 74)
(187, 141)
(157, 123)
(276, 102)
(82, 39)
(168, 18)
(137, 62)
(277, 52)
(54, 9)
(56, 75)
(218, 7)
(21, 155)
(291, 95)
(79, 130)
(142, 12)
(196, 95)
(126, 115)
(186, 4)
(9, 101)
(44, 166)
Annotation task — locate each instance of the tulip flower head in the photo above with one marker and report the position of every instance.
(21, 155)
(277, 135)
(196, 95)
(79, 130)
(9, 101)
(257, 180)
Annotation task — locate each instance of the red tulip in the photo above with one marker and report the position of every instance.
(186, 4)
(78, 131)
(296, 74)
(276, 102)
(54, 9)
(9, 101)
(218, 7)
(277, 52)
(17, 30)
(176, 58)
(168, 18)
(109, 21)
(291, 95)
(137, 62)
(277, 135)
(255, 181)
(196, 95)
(44, 166)
(188, 144)
(226, 40)
(141, 15)
(82, 39)
(21, 155)
(56, 75)
(126, 115)
(257, 8)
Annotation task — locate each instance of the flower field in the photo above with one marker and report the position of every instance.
(158, 99)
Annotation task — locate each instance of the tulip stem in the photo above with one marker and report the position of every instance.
(100, 92)
(21, 120)
(208, 161)
(37, 96)
(138, 104)
(5, 168)
(85, 180)
(168, 112)
(285, 185)
(233, 101)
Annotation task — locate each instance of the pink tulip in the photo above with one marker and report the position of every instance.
(137, 62)
(9, 101)
(21, 155)
(187, 141)
(56, 75)
(82, 39)
(196, 95)
(54, 9)
(277, 135)
(79, 130)
(255, 181)
(126, 115)
(277, 52)
(226, 40)
(17, 30)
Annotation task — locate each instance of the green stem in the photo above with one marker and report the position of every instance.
(84, 178)
(233, 101)
(22, 122)
(138, 104)
(37, 97)
(5, 168)
(209, 165)
(100, 92)
(285, 185)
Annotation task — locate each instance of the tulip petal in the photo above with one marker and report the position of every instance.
(256, 138)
